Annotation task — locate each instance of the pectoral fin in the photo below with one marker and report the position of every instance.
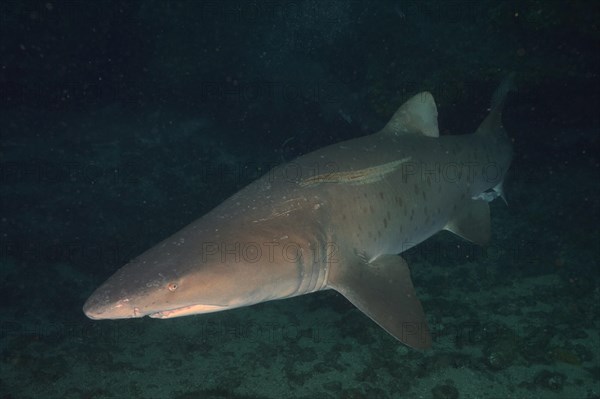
(383, 290)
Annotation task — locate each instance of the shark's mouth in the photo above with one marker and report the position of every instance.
(186, 311)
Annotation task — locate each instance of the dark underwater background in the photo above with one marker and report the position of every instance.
(122, 122)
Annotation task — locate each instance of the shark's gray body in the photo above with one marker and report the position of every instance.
(335, 218)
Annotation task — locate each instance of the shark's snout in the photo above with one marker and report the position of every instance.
(95, 314)
(92, 310)
(99, 307)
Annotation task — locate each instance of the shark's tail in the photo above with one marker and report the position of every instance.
(492, 128)
(502, 91)
(492, 125)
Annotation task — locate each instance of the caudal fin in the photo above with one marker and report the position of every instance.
(492, 124)
(492, 128)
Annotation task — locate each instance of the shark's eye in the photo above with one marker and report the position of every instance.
(172, 286)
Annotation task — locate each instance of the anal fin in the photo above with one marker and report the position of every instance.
(472, 222)
(383, 290)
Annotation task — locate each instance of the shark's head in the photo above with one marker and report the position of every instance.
(139, 289)
(180, 277)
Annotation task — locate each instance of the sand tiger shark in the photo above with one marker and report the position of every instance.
(336, 218)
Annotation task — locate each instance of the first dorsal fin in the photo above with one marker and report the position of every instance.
(417, 115)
